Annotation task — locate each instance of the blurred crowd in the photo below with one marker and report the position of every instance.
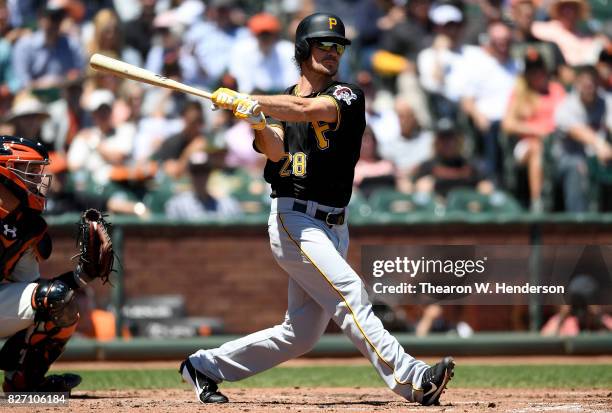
(504, 102)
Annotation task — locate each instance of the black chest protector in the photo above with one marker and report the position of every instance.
(18, 232)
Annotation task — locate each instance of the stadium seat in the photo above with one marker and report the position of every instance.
(358, 207)
(252, 203)
(157, 197)
(601, 10)
(601, 182)
(394, 202)
(599, 173)
(468, 200)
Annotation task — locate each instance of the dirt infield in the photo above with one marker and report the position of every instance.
(340, 400)
(347, 399)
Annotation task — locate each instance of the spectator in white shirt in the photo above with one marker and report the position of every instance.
(440, 66)
(270, 67)
(488, 80)
(96, 150)
(209, 42)
(584, 123)
(407, 144)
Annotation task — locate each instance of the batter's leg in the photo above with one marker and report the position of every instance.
(306, 249)
(305, 322)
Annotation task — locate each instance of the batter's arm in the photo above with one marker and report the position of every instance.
(297, 109)
(269, 141)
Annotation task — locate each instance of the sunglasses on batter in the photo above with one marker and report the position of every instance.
(327, 46)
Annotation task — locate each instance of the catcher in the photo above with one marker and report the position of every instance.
(38, 316)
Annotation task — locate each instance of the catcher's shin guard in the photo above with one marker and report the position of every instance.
(30, 352)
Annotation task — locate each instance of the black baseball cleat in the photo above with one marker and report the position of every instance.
(435, 380)
(61, 383)
(206, 389)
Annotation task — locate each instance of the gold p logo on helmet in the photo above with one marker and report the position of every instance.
(332, 22)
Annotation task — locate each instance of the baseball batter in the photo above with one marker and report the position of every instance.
(37, 316)
(312, 140)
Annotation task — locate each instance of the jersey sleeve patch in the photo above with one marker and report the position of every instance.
(344, 93)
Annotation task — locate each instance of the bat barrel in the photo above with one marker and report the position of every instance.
(125, 70)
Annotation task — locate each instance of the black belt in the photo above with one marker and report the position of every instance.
(327, 217)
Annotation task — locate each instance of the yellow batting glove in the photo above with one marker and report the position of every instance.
(245, 108)
(258, 122)
(225, 98)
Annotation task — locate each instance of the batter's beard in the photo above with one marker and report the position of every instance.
(322, 70)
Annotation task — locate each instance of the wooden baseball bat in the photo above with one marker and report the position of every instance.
(122, 69)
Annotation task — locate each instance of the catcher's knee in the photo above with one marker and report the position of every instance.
(54, 301)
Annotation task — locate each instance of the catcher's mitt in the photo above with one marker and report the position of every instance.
(96, 255)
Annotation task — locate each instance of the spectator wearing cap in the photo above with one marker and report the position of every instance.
(584, 122)
(440, 65)
(531, 118)
(270, 67)
(523, 13)
(488, 79)
(198, 203)
(448, 169)
(44, 58)
(27, 116)
(578, 46)
(210, 40)
(94, 151)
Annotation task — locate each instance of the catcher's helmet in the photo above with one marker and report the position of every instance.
(22, 167)
(318, 26)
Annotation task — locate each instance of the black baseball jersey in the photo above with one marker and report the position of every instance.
(320, 158)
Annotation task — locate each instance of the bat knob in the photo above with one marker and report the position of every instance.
(257, 110)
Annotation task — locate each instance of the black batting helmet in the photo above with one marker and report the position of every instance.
(318, 26)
